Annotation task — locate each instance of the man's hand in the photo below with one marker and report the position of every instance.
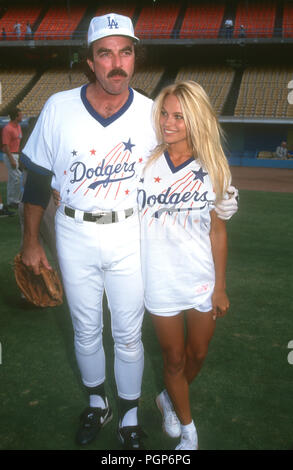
(34, 257)
(226, 208)
(9, 156)
(13, 163)
(32, 253)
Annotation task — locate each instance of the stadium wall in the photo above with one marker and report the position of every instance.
(245, 142)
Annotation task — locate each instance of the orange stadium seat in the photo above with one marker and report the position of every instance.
(21, 15)
(127, 10)
(156, 22)
(288, 20)
(258, 18)
(60, 23)
(202, 20)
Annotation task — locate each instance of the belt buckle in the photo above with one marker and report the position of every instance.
(100, 216)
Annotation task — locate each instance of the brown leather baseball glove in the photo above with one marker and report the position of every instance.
(43, 290)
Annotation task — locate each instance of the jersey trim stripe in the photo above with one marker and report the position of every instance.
(173, 168)
(104, 121)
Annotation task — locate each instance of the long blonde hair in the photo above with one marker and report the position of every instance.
(204, 133)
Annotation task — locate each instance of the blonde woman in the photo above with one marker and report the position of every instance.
(184, 244)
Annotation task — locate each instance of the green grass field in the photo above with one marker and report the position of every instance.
(243, 397)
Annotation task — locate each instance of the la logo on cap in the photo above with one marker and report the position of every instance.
(112, 23)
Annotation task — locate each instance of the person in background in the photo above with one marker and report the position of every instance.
(11, 138)
(242, 33)
(282, 151)
(28, 31)
(229, 28)
(17, 29)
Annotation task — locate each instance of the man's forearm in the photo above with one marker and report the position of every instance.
(32, 220)
(33, 254)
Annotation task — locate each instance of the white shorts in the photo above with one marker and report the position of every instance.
(206, 307)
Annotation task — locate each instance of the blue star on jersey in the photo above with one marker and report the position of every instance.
(128, 145)
(199, 175)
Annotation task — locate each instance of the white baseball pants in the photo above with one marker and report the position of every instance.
(95, 258)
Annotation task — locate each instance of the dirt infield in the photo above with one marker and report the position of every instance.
(263, 179)
(253, 178)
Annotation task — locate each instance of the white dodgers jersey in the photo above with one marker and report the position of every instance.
(174, 208)
(96, 162)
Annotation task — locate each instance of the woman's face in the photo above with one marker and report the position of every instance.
(171, 121)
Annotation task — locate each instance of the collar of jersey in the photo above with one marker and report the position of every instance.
(173, 168)
(105, 121)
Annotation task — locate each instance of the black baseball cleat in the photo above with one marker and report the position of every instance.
(5, 212)
(91, 421)
(131, 437)
(13, 205)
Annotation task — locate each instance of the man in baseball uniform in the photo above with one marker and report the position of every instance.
(90, 144)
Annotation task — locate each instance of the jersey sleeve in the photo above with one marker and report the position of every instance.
(37, 153)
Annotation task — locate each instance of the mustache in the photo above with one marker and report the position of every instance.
(117, 72)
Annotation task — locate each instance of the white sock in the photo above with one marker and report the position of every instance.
(96, 401)
(130, 418)
(188, 428)
(189, 439)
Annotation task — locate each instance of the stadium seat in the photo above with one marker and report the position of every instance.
(121, 8)
(156, 22)
(264, 92)
(52, 81)
(257, 17)
(215, 80)
(13, 81)
(202, 20)
(20, 14)
(288, 20)
(60, 22)
(147, 79)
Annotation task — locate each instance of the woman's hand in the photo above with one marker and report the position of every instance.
(220, 303)
(56, 197)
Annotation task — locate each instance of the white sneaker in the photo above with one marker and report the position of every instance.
(189, 441)
(171, 424)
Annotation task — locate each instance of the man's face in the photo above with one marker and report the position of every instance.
(19, 117)
(113, 63)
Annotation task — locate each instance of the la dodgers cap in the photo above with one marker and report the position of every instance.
(110, 25)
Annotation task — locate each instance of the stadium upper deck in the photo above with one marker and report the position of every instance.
(153, 20)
